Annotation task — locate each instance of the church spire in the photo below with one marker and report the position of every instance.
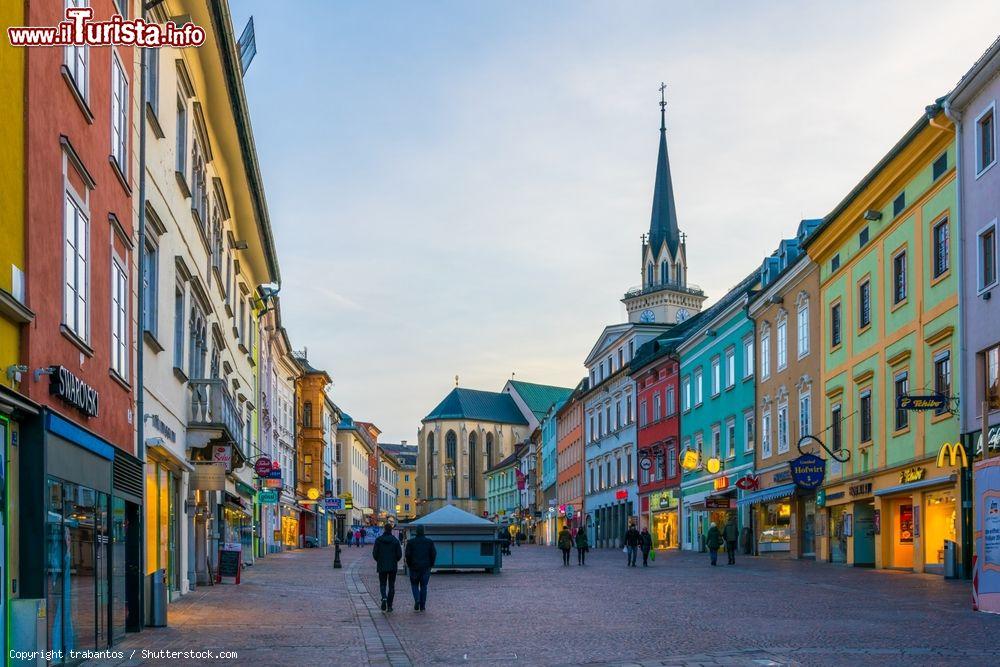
(663, 222)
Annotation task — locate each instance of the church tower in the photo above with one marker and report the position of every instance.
(665, 296)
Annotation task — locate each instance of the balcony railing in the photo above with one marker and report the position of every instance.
(687, 288)
(213, 407)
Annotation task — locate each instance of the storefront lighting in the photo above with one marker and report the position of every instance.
(713, 465)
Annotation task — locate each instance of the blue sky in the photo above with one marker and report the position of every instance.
(459, 188)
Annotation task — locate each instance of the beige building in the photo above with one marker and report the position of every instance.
(355, 447)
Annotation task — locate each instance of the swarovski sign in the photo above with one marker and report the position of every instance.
(73, 390)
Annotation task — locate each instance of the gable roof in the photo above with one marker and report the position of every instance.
(540, 397)
(519, 450)
(449, 515)
(489, 406)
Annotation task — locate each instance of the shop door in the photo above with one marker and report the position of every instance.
(901, 534)
(864, 535)
(838, 539)
(118, 551)
(808, 528)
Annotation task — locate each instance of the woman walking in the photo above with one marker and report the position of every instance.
(565, 544)
(713, 541)
(581, 546)
(645, 545)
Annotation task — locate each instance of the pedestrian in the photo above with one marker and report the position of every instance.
(713, 541)
(387, 552)
(420, 557)
(581, 546)
(565, 544)
(505, 542)
(646, 544)
(731, 533)
(632, 539)
(359, 537)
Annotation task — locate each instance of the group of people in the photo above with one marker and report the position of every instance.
(357, 536)
(715, 538)
(567, 541)
(635, 542)
(420, 555)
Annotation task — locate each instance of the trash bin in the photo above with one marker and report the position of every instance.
(158, 597)
(950, 560)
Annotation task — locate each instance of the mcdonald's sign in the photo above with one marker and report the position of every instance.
(955, 453)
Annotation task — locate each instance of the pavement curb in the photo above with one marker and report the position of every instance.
(381, 642)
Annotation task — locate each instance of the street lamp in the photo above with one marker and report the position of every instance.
(449, 474)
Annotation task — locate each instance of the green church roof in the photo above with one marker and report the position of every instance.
(475, 404)
(540, 397)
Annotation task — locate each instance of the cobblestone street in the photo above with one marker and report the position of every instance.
(296, 609)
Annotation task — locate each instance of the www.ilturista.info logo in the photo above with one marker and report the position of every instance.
(78, 30)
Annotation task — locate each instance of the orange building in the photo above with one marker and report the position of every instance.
(310, 392)
(570, 457)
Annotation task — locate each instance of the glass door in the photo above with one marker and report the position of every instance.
(809, 528)
(102, 593)
(118, 547)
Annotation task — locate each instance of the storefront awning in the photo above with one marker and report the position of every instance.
(763, 496)
(934, 481)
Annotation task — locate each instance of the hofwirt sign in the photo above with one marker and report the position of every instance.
(808, 471)
(74, 391)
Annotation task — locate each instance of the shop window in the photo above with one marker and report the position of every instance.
(939, 524)
(774, 519)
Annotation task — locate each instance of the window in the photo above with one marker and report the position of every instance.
(864, 304)
(618, 414)
(76, 269)
(150, 260)
(835, 325)
(942, 258)
(699, 446)
(686, 393)
(942, 379)
(631, 349)
(837, 441)
(765, 353)
(179, 326)
(716, 441)
(152, 58)
(747, 356)
(899, 277)
(671, 461)
(600, 424)
(939, 167)
(988, 256)
(181, 147)
(119, 318)
(729, 450)
(671, 401)
(782, 342)
(730, 367)
(991, 361)
(307, 467)
(805, 414)
(199, 182)
(748, 428)
(783, 428)
(77, 58)
(664, 273)
(835, 262)
(643, 416)
(656, 407)
(715, 376)
(802, 322)
(902, 386)
(765, 434)
(697, 387)
(649, 275)
(863, 237)
(119, 113)
(898, 204)
(986, 140)
(865, 415)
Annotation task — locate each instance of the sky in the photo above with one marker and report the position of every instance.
(459, 188)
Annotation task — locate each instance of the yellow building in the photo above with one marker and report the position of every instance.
(406, 482)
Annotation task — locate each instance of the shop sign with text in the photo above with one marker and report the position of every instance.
(808, 471)
(929, 402)
(74, 391)
(860, 489)
(912, 475)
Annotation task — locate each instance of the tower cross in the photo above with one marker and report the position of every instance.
(663, 106)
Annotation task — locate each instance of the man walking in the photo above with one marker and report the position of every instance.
(387, 554)
(420, 557)
(731, 534)
(565, 544)
(646, 545)
(632, 539)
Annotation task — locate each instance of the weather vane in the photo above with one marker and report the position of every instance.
(663, 106)
(456, 379)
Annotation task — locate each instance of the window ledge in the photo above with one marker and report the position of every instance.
(182, 183)
(13, 309)
(985, 169)
(151, 340)
(72, 337)
(119, 379)
(941, 278)
(865, 329)
(180, 375)
(154, 122)
(115, 167)
(77, 95)
(901, 431)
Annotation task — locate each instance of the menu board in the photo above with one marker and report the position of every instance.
(229, 565)
(906, 524)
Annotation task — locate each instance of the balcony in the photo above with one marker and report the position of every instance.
(687, 288)
(212, 414)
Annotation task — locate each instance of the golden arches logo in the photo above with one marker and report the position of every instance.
(955, 452)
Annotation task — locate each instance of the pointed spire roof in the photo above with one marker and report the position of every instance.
(663, 222)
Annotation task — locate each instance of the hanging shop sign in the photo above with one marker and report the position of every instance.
(954, 454)
(267, 497)
(748, 482)
(621, 494)
(721, 483)
(333, 504)
(348, 500)
(808, 471)
(522, 480)
(718, 503)
(262, 466)
(859, 489)
(73, 390)
(223, 454)
(914, 474)
(274, 473)
(645, 462)
(663, 500)
(928, 402)
(821, 498)
(208, 477)
(713, 464)
(569, 511)
(689, 459)
(273, 483)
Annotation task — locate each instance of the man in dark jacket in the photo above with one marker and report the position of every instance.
(632, 539)
(387, 553)
(645, 545)
(731, 533)
(420, 557)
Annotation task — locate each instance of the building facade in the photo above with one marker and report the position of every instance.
(784, 314)
(310, 445)
(889, 298)
(502, 495)
(406, 484)
(357, 447)
(717, 414)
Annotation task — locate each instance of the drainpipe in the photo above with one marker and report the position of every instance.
(965, 477)
(140, 444)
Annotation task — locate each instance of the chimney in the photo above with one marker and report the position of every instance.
(402, 442)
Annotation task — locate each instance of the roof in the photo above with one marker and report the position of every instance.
(986, 65)
(449, 516)
(540, 397)
(476, 404)
(663, 220)
(510, 460)
(665, 343)
(405, 454)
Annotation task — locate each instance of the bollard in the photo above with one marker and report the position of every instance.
(336, 557)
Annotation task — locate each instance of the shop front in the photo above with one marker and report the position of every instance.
(661, 518)
(784, 517)
(705, 504)
(86, 494)
(164, 506)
